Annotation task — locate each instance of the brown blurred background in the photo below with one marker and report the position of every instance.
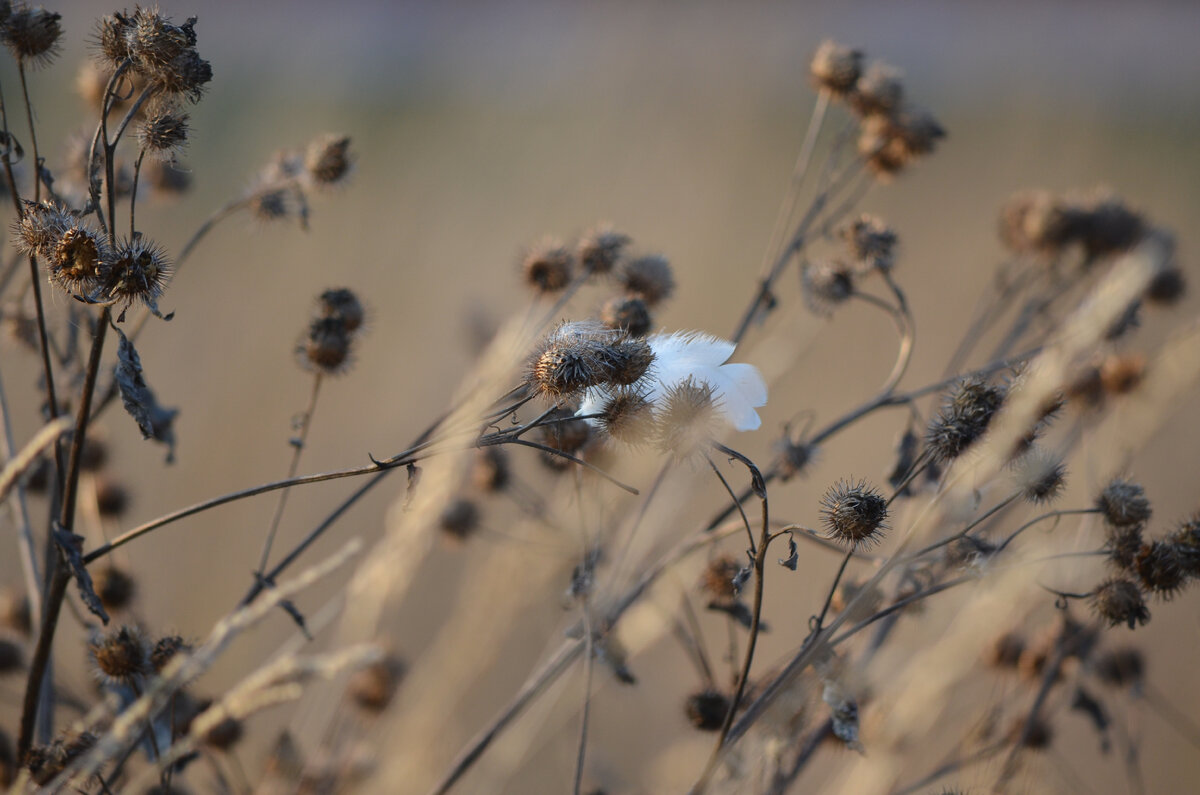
(479, 127)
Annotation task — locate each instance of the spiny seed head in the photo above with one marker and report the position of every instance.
(628, 418)
(111, 38)
(326, 347)
(964, 416)
(166, 178)
(1120, 374)
(225, 734)
(1040, 476)
(880, 90)
(46, 762)
(564, 432)
(138, 270)
(327, 160)
(32, 35)
(269, 204)
(627, 314)
(631, 359)
(1123, 503)
(1110, 226)
(1122, 545)
(372, 688)
(1120, 601)
(121, 655)
(871, 242)
(343, 304)
(491, 471)
(1167, 286)
(1160, 568)
(891, 142)
(165, 650)
(649, 278)
(42, 227)
(826, 284)
(854, 514)
(720, 578)
(835, 67)
(164, 132)
(688, 419)
(548, 266)
(707, 709)
(1005, 650)
(459, 520)
(1121, 667)
(78, 259)
(1186, 539)
(12, 656)
(1037, 222)
(153, 41)
(600, 249)
(115, 587)
(572, 358)
(112, 499)
(186, 75)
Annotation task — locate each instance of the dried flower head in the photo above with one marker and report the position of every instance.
(1121, 373)
(1120, 601)
(688, 418)
(164, 131)
(1123, 503)
(1109, 226)
(880, 90)
(1005, 649)
(631, 358)
(600, 249)
(627, 314)
(372, 688)
(835, 67)
(1122, 545)
(548, 266)
(854, 514)
(325, 347)
(889, 143)
(32, 35)
(341, 303)
(12, 656)
(649, 278)
(628, 417)
(112, 499)
(826, 284)
(872, 242)
(491, 471)
(572, 358)
(1041, 476)
(1120, 667)
(78, 259)
(41, 227)
(165, 649)
(121, 656)
(327, 160)
(115, 587)
(111, 39)
(707, 709)
(963, 417)
(1037, 222)
(460, 519)
(1161, 568)
(46, 762)
(1186, 540)
(138, 270)
(720, 578)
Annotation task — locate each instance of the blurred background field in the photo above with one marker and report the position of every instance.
(479, 127)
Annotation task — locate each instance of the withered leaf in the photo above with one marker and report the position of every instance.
(71, 546)
(154, 421)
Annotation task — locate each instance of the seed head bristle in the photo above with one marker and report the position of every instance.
(548, 266)
(628, 417)
(138, 270)
(164, 131)
(122, 655)
(341, 303)
(1161, 569)
(688, 419)
(32, 35)
(600, 249)
(627, 314)
(327, 160)
(1123, 503)
(326, 347)
(963, 418)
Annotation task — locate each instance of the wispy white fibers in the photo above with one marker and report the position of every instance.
(738, 389)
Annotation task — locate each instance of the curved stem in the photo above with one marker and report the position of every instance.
(298, 445)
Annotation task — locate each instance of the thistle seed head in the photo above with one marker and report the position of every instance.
(963, 418)
(855, 514)
(826, 284)
(1123, 503)
(707, 709)
(1160, 569)
(688, 419)
(115, 587)
(121, 656)
(327, 160)
(627, 314)
(459, 520)
(880, 90)
(628, 417)
(1120, 601)
(164, 132)
(341, 303)
(32, 35)
(835, 67)
(137, 271)
(548, 267)
(649, 278)
(325, 347)
(600, 249)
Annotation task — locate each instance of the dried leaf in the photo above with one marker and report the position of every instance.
(793, 555)
(71, 546)
(154, 421)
